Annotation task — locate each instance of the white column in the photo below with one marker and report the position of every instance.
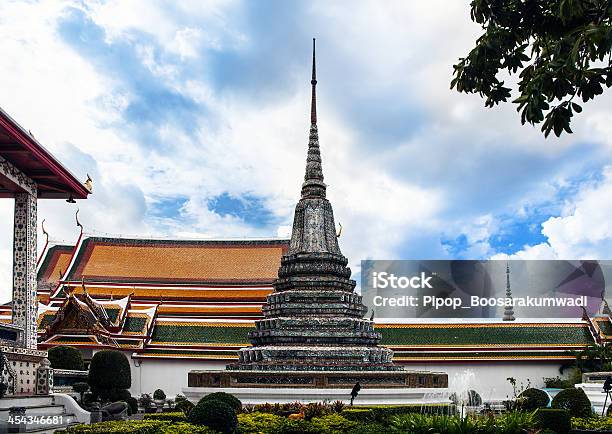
(25, 303)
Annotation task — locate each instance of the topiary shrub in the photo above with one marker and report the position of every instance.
(557, 420)
(230, 400)
(574, 401)
(65, 357)
(109, 372)
(214, 414)
(132, 405)
(181, 403)
(531, 399)
(159, 395)
(80, 388)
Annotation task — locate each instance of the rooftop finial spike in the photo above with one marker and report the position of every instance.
(313, 103)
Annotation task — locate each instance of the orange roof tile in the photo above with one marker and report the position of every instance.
(122, 260)
(192, 294)
(55, 262)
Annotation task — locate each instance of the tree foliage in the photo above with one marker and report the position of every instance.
(561, 50)
(65, 357)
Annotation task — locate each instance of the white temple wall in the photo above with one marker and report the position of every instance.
(489, 379)
(170, 375)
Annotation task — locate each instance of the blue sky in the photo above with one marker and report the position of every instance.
(192, 119)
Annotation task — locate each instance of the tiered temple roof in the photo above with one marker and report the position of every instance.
(200, 316)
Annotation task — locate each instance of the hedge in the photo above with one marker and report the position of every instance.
(384, 412)
(592, 423)
(177, 416)
(119, 427)
(265, 423)
(557, 420)
(65, 357)
(139, 427)
(109, 372)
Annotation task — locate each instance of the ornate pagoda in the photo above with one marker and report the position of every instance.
(314, 320)
(313, 333)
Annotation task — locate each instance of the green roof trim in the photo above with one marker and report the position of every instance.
(46, 321)
(503, 335)
(400, 336)
(605, 326)
(134, 324)
(112, 312)
(426, 355)
(156, 352)
(73, 339)
(200, 334)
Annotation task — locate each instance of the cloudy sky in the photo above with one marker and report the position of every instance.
(192, 119)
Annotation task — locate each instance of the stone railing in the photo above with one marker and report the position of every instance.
(63, 379)
(595, 377)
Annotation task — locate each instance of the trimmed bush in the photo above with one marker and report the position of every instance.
(265, 423)
(574, 401)
(109, 372)
(186, 428)
(358, 414)
(159, 394)
(176, 416)
(315, 409)
(65, 357)
(132, 405)
(120, 427)
(300, 426)
(214, 414)
(80, 388)
(333, 423)
(139, 427)
(383, 413)
(184, 405)
(533, 399)
(230, 400)
(592, 423)
(557, 420)
(119, 395)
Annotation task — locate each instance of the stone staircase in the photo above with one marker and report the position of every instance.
(46, 413)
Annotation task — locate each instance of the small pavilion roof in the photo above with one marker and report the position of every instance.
(19, 147)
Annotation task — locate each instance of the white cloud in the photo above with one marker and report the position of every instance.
(445, 178)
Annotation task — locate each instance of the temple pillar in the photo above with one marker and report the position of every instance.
(25, 303)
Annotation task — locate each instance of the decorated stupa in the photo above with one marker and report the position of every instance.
(314, 320)
(314, 333)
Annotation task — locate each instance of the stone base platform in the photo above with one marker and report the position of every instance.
(369, 396)
(377, 387)
(319, 379)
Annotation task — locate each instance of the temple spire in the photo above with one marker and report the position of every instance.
(313, 82)
(313, 185)
(508, 311)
